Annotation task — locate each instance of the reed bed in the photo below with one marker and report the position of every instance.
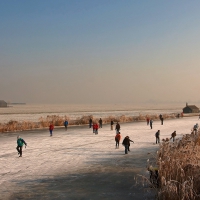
(58, 121)
(179, 168)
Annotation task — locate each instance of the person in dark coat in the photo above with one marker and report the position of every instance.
(157, 135)
(151, 123)
(195, 128)
(117, 128)
(126, 143)
(162, 119)
(20, 143)
(90, 123)
(100, 123)
(111, 125)
(173, 135)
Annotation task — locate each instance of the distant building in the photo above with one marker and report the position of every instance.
(190, 109)
(3, 103)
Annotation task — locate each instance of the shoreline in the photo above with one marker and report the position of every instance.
(14, 126)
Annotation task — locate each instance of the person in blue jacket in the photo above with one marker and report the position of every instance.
(66, 124)
(20, 143)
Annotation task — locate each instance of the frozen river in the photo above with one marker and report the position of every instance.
(76, 164)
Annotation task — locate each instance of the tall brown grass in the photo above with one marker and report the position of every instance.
(58, 121)
(179, 168)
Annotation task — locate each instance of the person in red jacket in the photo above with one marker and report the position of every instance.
(51, 127)
(96, 127)
(147, 120)
(117, 139)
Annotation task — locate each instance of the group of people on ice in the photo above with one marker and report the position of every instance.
(96, 126)
(157, 134)
(125, 143)
(150, 121)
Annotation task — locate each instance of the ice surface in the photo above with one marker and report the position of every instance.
(77, 152)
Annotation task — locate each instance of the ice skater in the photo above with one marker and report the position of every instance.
(117, 128)
(126, 143)
(66, 124)
(111, 125)
(96, 127)
(173, 135)
(147, 121)
(151, 123)
(90, 123)
(195, 128)
(117, 139)
(157, 135)
(20, 143)
(51, 127)
(100, 123)
(162, 119)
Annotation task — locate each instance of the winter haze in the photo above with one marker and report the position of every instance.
(99, 51)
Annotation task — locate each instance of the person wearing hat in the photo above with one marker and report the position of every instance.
(20, 143)
(126, 143)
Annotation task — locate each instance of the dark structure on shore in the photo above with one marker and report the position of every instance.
(3, 103)
(190, 109)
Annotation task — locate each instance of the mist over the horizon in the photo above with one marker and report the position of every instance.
(100, 52)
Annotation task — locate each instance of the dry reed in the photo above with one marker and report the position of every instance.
(58, 121)
(179, 168)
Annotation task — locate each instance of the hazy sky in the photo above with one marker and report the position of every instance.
(99, 51)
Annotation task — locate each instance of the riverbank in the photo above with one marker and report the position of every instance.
(58, 121)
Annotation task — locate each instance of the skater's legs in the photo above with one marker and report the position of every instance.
(126, 149)
(19, 149)
(117, 143)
